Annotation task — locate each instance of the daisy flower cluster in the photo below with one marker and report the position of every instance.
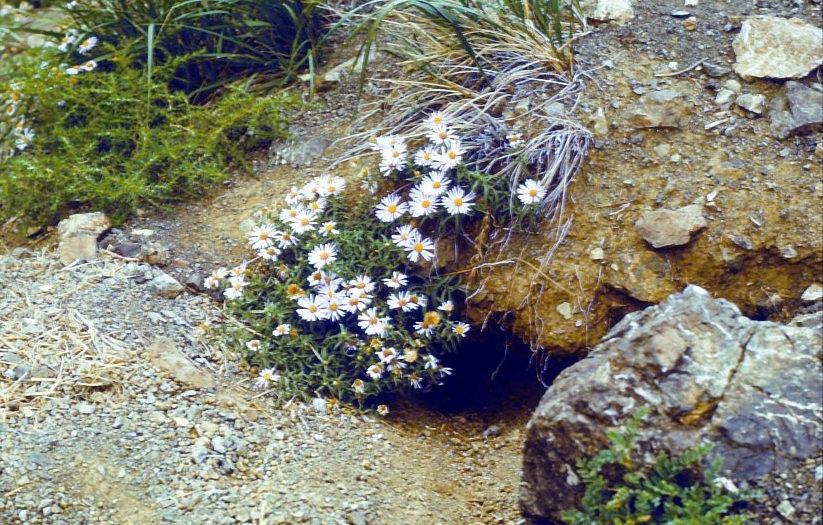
(329, 294)
(15, 134)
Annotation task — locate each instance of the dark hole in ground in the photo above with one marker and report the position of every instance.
(494, 372)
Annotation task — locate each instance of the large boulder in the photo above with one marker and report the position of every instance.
(774, 47)
(708, 374)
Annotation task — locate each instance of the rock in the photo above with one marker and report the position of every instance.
(754, 103)
(664, 228)
(165, 285)
(796, 109)
(604, 10)
(128, 249)
(774, 47)
(708, 374)
(565, 309)
(715, 70)
(301, 152)
(164, 354)
(597, 254)
(85, 408)
(813, 293)
(658, 109)
(724, 98)
(786, 509)
(78, 235)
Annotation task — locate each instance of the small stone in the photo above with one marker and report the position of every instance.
(754, 103)
(617, 10)
(78, 236)
(724, 98)
(246, 226)
(681, 14)
(714, 70)
(733, 85)
(131, 250)
(774, 47)
(565, 309)
(813, 293)
(786, 509)
(356, 517)
(165, 285)
(85, 408)
(659, 109)
(690, 24)
(199, 454)
(492, 431)
(219, 445)
(691, 3)
(182, 422)
(663, 228)
(597, 254)
(742, 241)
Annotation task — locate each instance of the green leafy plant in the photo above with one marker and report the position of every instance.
(220, 41)
(672, 490)
(115, 140)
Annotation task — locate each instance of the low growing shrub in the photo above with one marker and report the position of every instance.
(672, 490)
(78, 137)
(345, 298)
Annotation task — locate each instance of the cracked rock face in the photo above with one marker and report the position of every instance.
(774, 47)
(706, 372)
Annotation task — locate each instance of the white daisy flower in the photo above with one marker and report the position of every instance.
(391, 208)
(67, 41)
(357, 301)
(328, 229)
(317, 205)
(419, 300)
(397, 280)
(420, 247)
(402, 301)
(434, 184)
(253, 345)
(71, 5)
(425, 156)
(331, 185)
(422, 204)
(440, 134)
(457, 201)
(386, 141)
(404, 235)
(530, 192)
(436, 120)
(515, 139)
(431, 362)
(72, 70)
(447, 307)
(461, 329)
(213, 280)
(261, 237)
(387, 355)
(388, 165)
(281, 330)
(87, 45)
(451, 157)
(375, 371)
(266, 378)
(416, 381)
(363, 283)
(323, 254)
(285, 239)
(359, 386)
(88, 66)
(235, 288)
(336, 305)
(289, 214)
(312, 308)
(304, 222)
(239, 271)
(269, 254)
(371, 323)
(383, 410)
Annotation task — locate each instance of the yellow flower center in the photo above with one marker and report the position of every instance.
(312, 308)
(458, 201)
(452, 154)
(391, 208)
(418, 247)
(533, 192)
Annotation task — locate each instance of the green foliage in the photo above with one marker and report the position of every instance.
(674, 491)
(221, 40)
(115, 140)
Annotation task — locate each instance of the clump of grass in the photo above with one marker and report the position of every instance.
(670, 490)
(116, 140)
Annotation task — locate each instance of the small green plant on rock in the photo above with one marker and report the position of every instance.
(672, 490)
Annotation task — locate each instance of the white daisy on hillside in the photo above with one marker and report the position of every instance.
(420, 248)
(330, 185)
(401, 301)
(323, 254)
(87, 45)
(312, 308)
(373, 324)
(89, 65)
(440, 134)
(447, 307)
(269, 254)
(285, 239)
(213, 280)
(391, 208)
(266, 378)
(385, 142)
(451, 157)
(434, 184)
(530, 192)
(422, 204)
(262, 236)
(363, 283)
(424, 157)
(436, 120)
(375, 371)
(404, 235)
(383, 410)
(317, 205)
(431, 362)
(387, 354)
(419, 300)
(253, 345)
(397, 280)
(336, 305)
(359, 386)
(304, 222)
(388, 165)
(235, 288)
(461, 329)
(457, 201)
(357, 300)
(328, 229)
(281, 330)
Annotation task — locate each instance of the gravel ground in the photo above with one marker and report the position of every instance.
(131, 415)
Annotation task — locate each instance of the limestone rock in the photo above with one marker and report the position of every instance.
(664, 228)
(659, 109)
(796, 109)
(165, 285)
(604, 10)
(78, 235)
(774, 47)
(813, 293)
(165, 355)
(706, 372)
(751, 102)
